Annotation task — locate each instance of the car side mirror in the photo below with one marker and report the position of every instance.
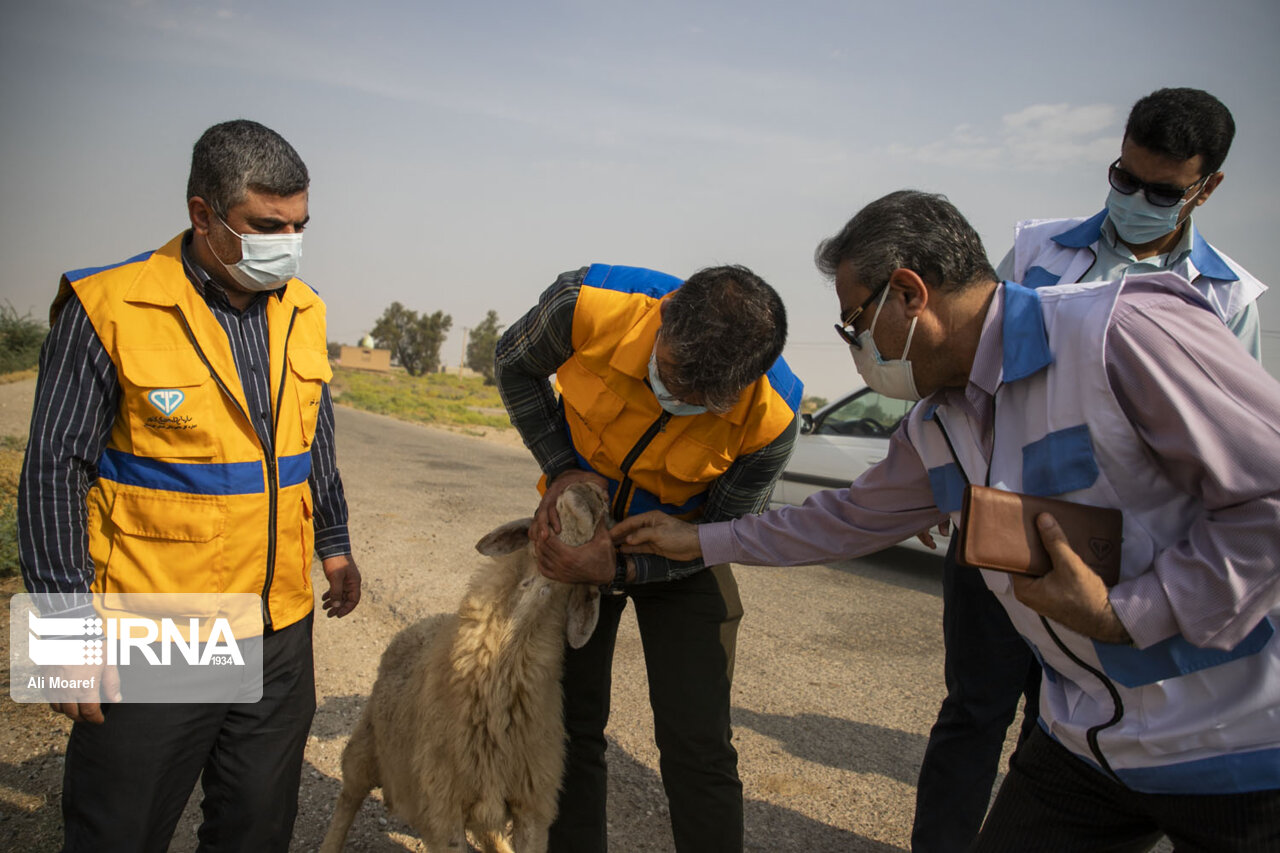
(806, 423)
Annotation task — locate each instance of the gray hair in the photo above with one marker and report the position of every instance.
(907, 229)
(724, 327)
(230, 158)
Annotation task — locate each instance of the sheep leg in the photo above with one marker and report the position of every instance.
(529, 834)
(359, 777)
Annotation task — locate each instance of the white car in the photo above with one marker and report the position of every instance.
(837, 443)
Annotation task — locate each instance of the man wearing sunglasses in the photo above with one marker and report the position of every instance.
(1170, 160)
(1174, 144)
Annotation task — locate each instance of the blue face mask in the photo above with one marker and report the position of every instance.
(668, 401)
(1138, 221)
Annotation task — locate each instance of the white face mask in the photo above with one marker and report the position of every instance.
(666, 399)
(266, 260)
(890, 378)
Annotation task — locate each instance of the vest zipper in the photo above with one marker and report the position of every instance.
(272, 475)
(273, 480)
(623, 495)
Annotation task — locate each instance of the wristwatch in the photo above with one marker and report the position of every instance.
(619, 583)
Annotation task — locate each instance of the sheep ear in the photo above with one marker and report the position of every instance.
(584, 612)
(506, 539)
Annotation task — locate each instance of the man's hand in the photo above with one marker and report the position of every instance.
(592, 562)
(658, 533)
(344, 586)
(926, 536)
(106, 682)
(1071, 593)
(547, 518)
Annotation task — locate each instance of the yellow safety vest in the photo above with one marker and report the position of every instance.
(186, 499)
(611, 411)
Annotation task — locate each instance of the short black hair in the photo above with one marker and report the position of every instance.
(725, 327)
(1181, 123)
(908, 229)
(235, 156)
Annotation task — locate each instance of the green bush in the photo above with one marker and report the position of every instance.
(20, 340)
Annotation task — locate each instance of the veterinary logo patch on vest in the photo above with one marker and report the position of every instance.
(166, 400)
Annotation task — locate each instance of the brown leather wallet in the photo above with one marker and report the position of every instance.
(998, 531)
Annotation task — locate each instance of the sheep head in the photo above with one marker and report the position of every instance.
(582, 508)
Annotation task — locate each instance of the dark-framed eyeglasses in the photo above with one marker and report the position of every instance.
(1161, 195)
(845, 327)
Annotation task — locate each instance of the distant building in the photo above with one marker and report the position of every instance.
(366, 357)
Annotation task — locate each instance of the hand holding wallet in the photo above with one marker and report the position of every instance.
(998, 531)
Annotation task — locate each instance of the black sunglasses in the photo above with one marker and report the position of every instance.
(845, 327)
(1161, 195)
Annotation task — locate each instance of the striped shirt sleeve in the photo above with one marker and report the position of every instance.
(527, 355)
(77, 393)
(327, 494)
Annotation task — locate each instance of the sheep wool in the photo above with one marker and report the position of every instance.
(464, 728)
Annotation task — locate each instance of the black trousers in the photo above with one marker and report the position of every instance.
(689, 629)
(988, 669)
(1054, 802)
(127, 780)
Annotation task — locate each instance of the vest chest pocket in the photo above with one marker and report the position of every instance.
(311, 370)
(591, 407)
(692, 460)
(168, 398)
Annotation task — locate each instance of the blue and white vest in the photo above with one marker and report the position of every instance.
(1059, 251)
(1171, 718)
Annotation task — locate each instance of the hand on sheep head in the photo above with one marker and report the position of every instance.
(546, 520)
(590, 563)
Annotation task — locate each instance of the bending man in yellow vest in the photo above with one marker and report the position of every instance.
(182, 442)
(674, 395)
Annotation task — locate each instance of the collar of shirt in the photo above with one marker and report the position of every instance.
(1115, 259)
(984, 377)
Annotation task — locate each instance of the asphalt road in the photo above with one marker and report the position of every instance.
(839, 670)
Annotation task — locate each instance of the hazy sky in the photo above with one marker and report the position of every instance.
(463, 154)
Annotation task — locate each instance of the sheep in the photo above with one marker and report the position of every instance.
(464, 727)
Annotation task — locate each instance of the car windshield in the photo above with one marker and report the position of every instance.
(867, 413)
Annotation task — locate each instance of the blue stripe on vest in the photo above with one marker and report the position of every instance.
(1085, 234)
(1174, 656)
(196, 478)
(1061, 462)
(631, 280)
(1039, 277)
(642, 501)
(786, 383)
(76, 275)
(1208, 262)
(294, 469)
(1026, 343)
(947, 483)
(1222, 774)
